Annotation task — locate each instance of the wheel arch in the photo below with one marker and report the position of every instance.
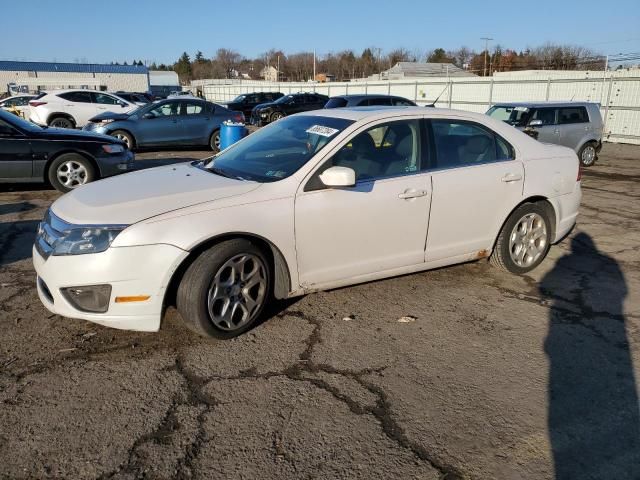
(94, 163)
(553, 216)
(61, 114)
(125, 130)
(277, 263)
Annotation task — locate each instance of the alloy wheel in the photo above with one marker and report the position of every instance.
(528, 240)
(237, 292)
(72, 174)
(588, 155)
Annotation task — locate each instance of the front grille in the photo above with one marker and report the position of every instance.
(50, 229)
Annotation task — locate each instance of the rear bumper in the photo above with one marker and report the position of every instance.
(130, 271)
(114, 164)
(566, 208)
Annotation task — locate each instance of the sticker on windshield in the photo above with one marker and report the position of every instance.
(521, 109)
(276, 173)
(322, 131)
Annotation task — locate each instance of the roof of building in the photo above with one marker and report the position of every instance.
(70, 67)
(419, 69)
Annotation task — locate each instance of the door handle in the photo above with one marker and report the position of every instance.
(407, 194)
(511, 177)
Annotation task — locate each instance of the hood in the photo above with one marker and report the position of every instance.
(264, 105)
(136, 196)
(110, 116)
(75, 135)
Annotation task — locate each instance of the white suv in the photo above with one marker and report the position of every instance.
(314, 201)
(74, 108)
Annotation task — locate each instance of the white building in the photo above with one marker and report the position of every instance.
(269, 74)
(36, 76)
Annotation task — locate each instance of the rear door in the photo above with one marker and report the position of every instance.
(109, 103)
(15, 153)
(164, 125)
(477, 181)
(573, 126)
(196, 122)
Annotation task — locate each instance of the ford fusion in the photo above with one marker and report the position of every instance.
(315, 201)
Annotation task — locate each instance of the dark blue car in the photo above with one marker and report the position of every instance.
(173, 122)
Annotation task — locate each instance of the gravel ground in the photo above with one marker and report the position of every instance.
(461, 372)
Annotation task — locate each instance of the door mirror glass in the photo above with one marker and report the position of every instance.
(338, 177)
(122, 104)
(535, 123)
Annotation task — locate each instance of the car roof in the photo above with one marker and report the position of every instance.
(555, 103)
(366, 95)
(382, 112)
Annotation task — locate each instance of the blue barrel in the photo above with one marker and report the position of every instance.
(230, 133)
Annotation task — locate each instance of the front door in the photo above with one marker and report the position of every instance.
(377, 225)
(476, 183)
(163, 126)
(15, 154)
(548, 132)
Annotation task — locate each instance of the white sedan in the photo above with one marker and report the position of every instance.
(314, 201)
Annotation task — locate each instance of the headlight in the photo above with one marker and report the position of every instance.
(113, 148)
(105, 121)
(94, 239)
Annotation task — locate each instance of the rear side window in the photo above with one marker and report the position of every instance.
(573, 115)
(337, 102)
(380, 101)
(402, 102)
(460, 144)
(80, 97)
(105, 99)
(193, 108)
(547, 115)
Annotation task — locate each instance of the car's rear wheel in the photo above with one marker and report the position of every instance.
(61, 122)
(125, 137)
(588, 154)
(214, 141)
(69, 171)
(276, 116)
(525, 238)
(225, 289)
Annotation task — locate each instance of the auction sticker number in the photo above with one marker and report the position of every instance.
(322, 131)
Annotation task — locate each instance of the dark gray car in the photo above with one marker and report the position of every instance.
(366, 100)
(577, 125)
(171, 122)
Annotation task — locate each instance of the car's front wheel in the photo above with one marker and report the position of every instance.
(225, 289)
(276, 116)
(69, 171)
(588, 154)
(125, 137)
(525, 238)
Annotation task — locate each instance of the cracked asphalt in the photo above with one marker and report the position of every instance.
(486, 376)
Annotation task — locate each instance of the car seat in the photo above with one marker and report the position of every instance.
(477, 148)
(360, 156)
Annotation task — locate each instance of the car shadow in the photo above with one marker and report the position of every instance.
(17, 240)
(19, 207)
(593, 410)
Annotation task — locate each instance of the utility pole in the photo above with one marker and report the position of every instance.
(314, 64)
(486, 49)
(278, 70)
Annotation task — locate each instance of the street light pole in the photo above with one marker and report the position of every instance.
(486, 49)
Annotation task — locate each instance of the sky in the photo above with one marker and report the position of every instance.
(160, 30)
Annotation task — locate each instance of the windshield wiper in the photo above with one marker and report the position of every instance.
(223, 173)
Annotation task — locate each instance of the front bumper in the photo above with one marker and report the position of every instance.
(131, 271)
(258, 120)
(114, 164)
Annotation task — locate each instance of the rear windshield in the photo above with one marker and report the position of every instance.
(278, 150)
(337, 102)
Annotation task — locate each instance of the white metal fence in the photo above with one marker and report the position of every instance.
(618, 95)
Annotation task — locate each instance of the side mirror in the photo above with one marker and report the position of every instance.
(122, 104)
(535, 123)
(148, 116)
(338, 177)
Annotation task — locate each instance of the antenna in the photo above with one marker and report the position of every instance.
(438, 97)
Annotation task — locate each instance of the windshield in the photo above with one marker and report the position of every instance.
(516, 116)
(278, 150)
(284, 99)
(238, 99)
(19, 122)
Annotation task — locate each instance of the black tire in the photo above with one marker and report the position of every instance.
(214, 141)
(61, 122)
(502, 253)
(199, 280)
(275, 116)
(84, 168)
(588, 154)
(126, 137)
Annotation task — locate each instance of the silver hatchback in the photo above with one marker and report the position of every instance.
(577, 125)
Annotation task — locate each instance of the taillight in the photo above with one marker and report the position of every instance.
(34, 103)
(579, 173)
(238, 117)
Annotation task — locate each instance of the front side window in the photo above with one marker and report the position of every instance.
(384, 101)
(105, 99)
(460, 144)
(278, 150)
(573, 115)
(402, 102)
(385, 150)
(7, 130)
(166, 109)
(513, 115)
(80, 97)
(336, 102)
